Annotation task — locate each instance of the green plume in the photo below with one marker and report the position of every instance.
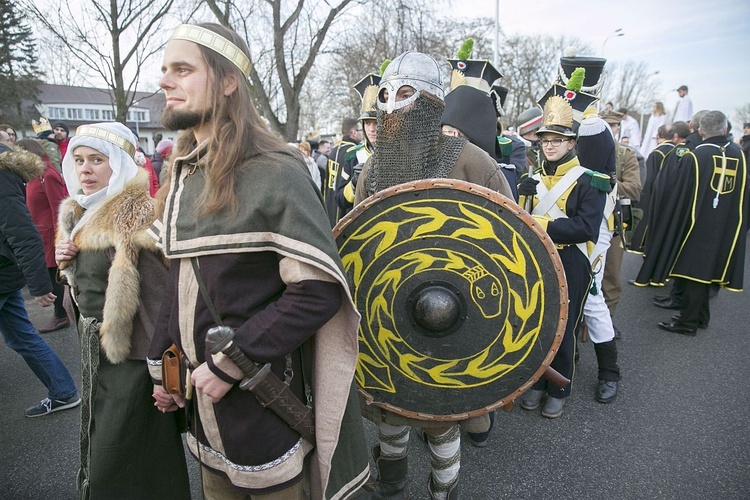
(576, 80)
(384, 65)
(466, 49)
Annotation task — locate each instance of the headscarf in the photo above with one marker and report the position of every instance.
(122, 164)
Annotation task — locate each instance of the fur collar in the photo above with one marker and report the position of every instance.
(25, 164)
(119, 223)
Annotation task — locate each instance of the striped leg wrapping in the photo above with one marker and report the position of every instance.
(445, 459)
(394, 440)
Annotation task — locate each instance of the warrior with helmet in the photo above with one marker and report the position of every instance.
(411, 147)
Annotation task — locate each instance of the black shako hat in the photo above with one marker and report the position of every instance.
(579, 101)
(594, 67)
(474, 72)
(499, 93)
(367, 88)
(471, 111)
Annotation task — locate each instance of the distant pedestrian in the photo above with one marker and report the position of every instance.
(43, 197)
(683, 111)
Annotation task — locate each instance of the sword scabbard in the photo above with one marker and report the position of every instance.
(555, 377)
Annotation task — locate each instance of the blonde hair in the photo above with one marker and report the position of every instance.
(304, 146)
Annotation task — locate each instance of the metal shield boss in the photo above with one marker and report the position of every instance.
(462, 296)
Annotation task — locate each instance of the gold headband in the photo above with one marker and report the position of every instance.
(215, 42)
(104, 134)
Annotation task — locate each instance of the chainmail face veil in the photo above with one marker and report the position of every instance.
(411, 146)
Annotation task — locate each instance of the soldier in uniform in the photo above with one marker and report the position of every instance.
(356, 157)
(337, 207)
(628, 186)
(709, 211)
(480, 74)
(412, 147)
(567, 200)
(527, 124)
(596, 147)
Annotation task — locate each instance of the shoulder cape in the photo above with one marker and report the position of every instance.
(280, 211)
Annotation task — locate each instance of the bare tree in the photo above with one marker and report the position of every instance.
(383, 30)
(111, 40)
(742, 114)
(530, 65)
(285, 40)
(631, 85)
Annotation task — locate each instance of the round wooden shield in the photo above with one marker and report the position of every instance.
(462, 296)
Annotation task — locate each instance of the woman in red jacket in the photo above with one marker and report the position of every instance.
(43, 197)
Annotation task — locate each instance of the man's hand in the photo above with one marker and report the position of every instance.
(211, 385)
(167, 402)
(46, 300)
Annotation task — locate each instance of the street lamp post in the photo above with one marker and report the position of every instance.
(618, 32)
(648, 77)
(497, 33)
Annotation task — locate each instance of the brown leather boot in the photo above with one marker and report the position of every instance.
(392, 478)
(55, 324)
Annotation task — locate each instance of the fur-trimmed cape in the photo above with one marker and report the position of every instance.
(119, 223)
(24, 163)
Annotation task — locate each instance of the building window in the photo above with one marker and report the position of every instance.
(92, 114)
(75, 114)
(107, 115)
(56, 113)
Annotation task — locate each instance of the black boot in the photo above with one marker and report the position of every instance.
(609, 371)
(392, 478)
(452, 489)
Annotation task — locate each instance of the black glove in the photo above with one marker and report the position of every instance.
(527, 186)
(356, 170)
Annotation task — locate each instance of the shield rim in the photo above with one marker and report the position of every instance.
(507, 204)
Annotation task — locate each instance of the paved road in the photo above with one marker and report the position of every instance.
(678, 430)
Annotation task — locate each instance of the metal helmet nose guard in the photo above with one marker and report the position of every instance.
(417, 70)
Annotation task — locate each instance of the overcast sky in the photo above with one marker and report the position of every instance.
(703, 45)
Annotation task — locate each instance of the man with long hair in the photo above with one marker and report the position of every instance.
(251, 249)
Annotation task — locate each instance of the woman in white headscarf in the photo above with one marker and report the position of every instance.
(129, 449)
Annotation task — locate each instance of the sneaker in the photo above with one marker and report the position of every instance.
(47, 406)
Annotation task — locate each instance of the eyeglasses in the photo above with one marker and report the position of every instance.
(553, 142)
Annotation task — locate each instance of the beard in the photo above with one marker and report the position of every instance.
(181, 120)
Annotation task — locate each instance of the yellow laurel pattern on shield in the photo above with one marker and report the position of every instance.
(383, 350)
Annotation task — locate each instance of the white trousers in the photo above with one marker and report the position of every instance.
(595, 311)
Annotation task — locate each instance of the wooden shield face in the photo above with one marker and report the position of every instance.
(462, 296)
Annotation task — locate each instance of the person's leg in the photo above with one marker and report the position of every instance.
(391, 461)
(695, 304)
(59, 290)
(445, 462)
(611, 285)
(216, 487)
(19, 335)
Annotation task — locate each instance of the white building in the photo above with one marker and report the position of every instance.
(81, 105)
